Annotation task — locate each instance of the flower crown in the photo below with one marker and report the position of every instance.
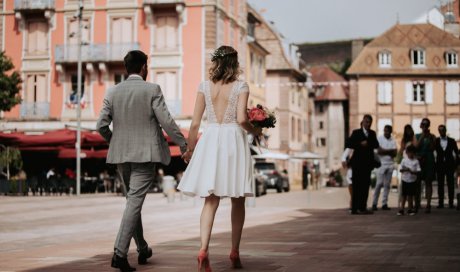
(220, 54)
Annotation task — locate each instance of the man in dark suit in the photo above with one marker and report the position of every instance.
(363, 141)
(446, 163)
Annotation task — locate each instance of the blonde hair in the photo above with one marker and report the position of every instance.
(225, 66)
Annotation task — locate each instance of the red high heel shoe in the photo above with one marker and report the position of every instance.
(235, 258)
(203, 262)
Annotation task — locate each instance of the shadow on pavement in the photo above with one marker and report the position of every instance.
(323, 240)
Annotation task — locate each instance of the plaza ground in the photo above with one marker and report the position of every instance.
(295, 231)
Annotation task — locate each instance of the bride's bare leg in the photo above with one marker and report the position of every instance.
(238, 214)
(211, 204)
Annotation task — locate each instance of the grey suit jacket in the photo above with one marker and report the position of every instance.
(138, 112)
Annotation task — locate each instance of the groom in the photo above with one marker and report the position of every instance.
(136, 144)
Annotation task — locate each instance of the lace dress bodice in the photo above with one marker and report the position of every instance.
(229, 116)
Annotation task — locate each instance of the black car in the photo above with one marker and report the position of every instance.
(261, 187)
(272, 177)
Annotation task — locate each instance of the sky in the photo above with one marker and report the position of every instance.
(331, 20)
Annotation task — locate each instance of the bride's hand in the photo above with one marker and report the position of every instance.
(187, 156)
(258, 132)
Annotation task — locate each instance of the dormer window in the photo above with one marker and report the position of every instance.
(385, 59)
(418, 57)
(452, 59)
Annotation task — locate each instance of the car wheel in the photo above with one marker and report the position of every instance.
(287, 189)
(279, 188)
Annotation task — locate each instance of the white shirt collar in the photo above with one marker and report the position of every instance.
(135, 76)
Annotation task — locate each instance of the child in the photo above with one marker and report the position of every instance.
(410, 167)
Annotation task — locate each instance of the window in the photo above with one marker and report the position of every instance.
(73, 30)
(452, 59)
(323, 141)
(321, 125)
(418, 57)
(321, 108)
(381, 123)
(384, 92)
(385, 59)
(166, 26)
(122, 30)
(35, 88)
(452, 92)
(220, 30)
(74, 88)
(416, 125)
(418, 92)
(37, 38)
(453, 128)
(293, 96)
(293, 129)
(169, 85)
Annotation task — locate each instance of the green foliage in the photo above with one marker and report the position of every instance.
(9, 84)
(12, 157)
(341, 67)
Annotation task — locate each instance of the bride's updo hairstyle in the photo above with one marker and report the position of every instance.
(225, 65)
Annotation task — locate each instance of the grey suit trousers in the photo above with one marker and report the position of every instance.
(138, 178)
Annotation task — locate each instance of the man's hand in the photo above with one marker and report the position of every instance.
(364, 143)
(344, 164)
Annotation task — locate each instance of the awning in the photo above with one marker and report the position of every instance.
(307, 155)
(71, 153)
(272, 155)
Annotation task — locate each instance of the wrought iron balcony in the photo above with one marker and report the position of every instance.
(35, 110)
(163, 2)
(94, 52)
(33, 4)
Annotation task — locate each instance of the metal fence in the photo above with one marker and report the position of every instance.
(35, 109)
(94, 52)
(33, 4)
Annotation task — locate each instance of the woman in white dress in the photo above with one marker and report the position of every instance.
(220, 163)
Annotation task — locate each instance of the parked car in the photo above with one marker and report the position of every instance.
(261, 187)
(272, 177)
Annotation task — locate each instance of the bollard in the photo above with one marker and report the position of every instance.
(169, 188)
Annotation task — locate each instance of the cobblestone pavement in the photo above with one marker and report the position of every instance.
(296, 231)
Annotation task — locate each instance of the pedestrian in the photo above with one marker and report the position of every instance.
(386, 152)
(346, 156)
(407, 139)
(106, 181)
(363, 141)
(447, 156)
(139, 115)
(410, 167)
(425, 144)
(221, 165)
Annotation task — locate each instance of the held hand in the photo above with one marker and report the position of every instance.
(364, 143)
(344, 164)
(258, 132)
(187, 156)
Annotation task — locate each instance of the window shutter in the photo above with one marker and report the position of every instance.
(453, 128)
(409, 95)
(388, 92)
(429, 92)
(452, 92)
(381, 92)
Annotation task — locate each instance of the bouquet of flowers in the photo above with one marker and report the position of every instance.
(260, 116)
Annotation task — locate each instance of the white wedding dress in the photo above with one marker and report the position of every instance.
(221, 163)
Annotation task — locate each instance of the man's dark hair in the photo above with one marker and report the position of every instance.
(134, 61)
(389, 127)
(426, 120)
(442, 126)
(368, 116)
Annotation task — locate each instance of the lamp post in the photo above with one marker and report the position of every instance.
(79, 16)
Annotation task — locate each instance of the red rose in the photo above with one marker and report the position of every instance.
(256, 114)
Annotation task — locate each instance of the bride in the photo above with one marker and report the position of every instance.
(220, 164)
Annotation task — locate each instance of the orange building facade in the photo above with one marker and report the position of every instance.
(178, 36)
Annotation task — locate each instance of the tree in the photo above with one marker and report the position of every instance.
(10, 158)
(9, 84)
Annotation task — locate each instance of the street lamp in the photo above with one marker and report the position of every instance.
(79, 16)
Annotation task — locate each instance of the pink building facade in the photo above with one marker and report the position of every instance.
(178, 36)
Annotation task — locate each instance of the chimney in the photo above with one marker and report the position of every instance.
(356, 48)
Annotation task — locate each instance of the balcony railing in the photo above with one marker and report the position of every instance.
(162, 2)
(33, 4)
(35, 110)
(174, 106)
(94, 52)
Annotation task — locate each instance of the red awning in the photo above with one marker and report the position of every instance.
(71, 153)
